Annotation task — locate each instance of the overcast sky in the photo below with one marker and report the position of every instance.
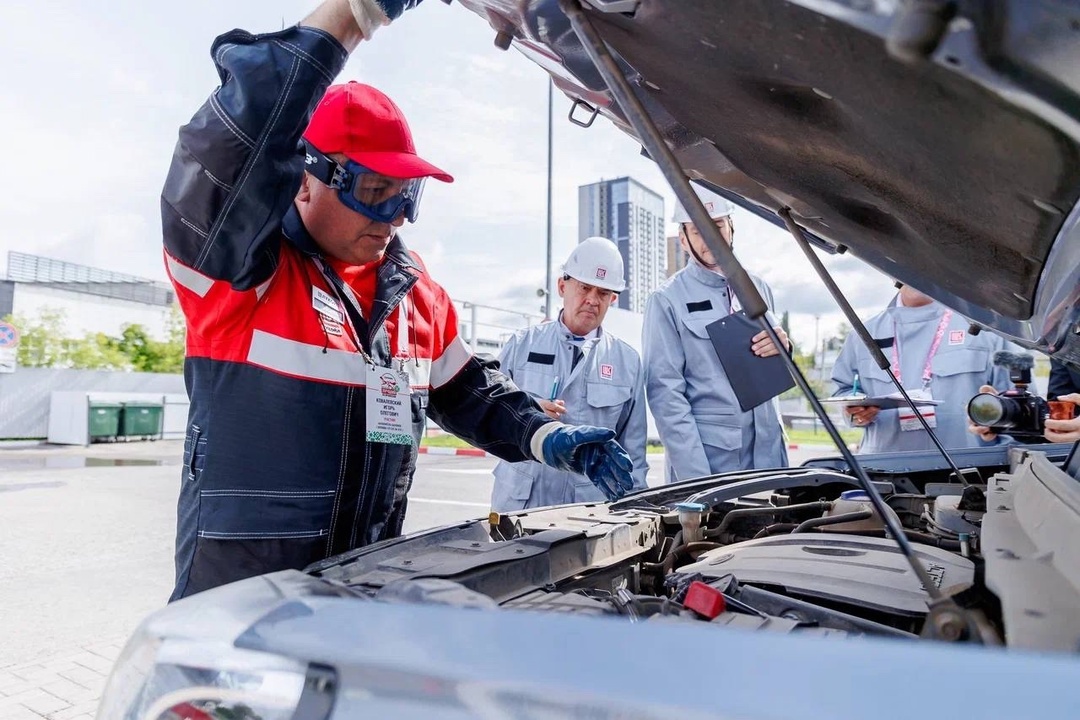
(94, 93)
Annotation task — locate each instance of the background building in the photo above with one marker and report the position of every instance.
(90, 299)
(632, 215)
(676, 256)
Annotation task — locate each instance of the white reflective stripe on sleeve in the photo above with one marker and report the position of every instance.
(448, 364)
(536, 442)
(187, 278)
(307, 361)
(419, 370)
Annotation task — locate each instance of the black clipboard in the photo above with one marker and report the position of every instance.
(754, 379)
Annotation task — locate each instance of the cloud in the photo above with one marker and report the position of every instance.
(92, 129)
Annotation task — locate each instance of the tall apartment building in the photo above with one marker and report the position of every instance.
(676, 256)
(632, 215)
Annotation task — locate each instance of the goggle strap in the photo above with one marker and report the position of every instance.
(323, 168)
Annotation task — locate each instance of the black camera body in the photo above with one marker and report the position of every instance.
(1016, 412)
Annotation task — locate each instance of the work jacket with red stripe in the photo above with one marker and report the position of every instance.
(276, 450)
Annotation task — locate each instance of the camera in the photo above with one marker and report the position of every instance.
(1016, 412)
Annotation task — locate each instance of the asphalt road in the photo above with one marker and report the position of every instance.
(86, 536)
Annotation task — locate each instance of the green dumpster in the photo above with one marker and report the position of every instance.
(104, 420)
(141, 419)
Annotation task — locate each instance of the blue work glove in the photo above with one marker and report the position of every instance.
(372, 14)
(592, 452)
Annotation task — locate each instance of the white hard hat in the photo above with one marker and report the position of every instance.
(597, 261)
(716, 206)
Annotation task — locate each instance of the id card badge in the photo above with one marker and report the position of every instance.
(908, 419)
(389, 411)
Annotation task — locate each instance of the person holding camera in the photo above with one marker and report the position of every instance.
(934, 357)
(1056, 421)
(1062, 431)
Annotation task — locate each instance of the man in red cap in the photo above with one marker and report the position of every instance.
(317, 341)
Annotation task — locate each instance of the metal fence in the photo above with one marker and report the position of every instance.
(25, 393)
(487, 328)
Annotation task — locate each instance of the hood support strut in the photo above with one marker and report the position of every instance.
(946, 620)
(860, 329)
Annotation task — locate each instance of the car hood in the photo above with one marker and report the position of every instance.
(957, 172)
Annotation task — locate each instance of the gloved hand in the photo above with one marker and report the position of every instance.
(372, 14)
(592, 452)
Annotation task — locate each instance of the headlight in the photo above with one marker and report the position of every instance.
(170, 679)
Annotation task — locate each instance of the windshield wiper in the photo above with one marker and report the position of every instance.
(946, 620)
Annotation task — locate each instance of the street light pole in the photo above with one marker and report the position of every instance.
(547, 280)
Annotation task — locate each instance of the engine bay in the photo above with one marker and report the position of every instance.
(798, 550)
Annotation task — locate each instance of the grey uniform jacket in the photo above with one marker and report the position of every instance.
(961, 364)
(605, 390)
(701, 425)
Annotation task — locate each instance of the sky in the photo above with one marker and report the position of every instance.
(94, 93)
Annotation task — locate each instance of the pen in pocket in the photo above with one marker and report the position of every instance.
(554, 388)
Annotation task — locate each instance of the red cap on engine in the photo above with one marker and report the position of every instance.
(704, 599)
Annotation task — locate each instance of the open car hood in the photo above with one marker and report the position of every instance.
(957, 173)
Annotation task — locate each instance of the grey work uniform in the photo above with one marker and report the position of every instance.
(604, 389)
(958, 366)
(701, 425)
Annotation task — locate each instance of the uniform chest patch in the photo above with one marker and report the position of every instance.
(331, 327)
(326, 305)
(607, 371)
(956, 337)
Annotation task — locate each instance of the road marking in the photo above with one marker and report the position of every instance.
(450, 502)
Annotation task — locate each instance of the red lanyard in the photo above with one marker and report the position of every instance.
(927, 373)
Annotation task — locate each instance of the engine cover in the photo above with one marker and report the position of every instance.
(863, 571)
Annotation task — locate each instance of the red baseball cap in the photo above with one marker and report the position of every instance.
(366, 126)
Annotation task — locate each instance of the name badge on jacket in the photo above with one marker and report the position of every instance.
(326, 305)
(389, 412)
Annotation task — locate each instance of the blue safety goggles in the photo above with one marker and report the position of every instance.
(372, 194)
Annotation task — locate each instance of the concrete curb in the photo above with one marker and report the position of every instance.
(469, 452)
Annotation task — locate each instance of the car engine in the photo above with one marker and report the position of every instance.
(795, 550)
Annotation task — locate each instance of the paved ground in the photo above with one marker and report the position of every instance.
(86, 540)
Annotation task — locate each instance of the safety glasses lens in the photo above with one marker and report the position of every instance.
(384, 199)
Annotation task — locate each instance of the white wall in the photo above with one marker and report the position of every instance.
(89, 313)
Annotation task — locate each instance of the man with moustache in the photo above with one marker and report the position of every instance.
(316, 339)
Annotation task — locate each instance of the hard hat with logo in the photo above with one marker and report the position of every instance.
(597, 261)
(716, 206)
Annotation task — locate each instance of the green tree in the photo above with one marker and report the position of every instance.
(95, 351)
(43, 343)
(140, 349)
(785, 323)
(41, 339)
(172, 353)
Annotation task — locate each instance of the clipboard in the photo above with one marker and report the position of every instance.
(754, 379)
(885, 402)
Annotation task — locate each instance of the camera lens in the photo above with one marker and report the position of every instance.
(986, 409)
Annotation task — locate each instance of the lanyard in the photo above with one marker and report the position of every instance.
(927, 373)
(403, 327)
(345, 294)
